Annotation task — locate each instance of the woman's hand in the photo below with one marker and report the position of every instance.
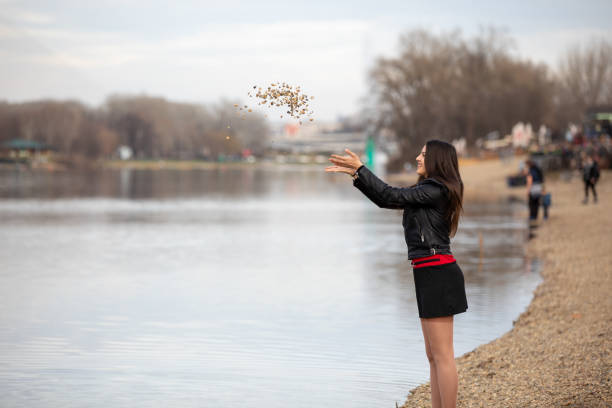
(344, 164)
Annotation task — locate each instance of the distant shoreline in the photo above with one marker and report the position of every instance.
(319, 161)
(150, 164)
(172, 164)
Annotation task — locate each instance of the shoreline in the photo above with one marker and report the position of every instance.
(178, 165)
(559, 350)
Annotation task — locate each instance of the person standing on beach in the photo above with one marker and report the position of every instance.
(590, 175)
(431, 216)
(535, 188)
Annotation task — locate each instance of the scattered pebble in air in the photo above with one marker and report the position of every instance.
(290, 98)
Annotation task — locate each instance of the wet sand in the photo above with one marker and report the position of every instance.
(559, 351)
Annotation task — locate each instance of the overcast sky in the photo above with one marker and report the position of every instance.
(200, 51)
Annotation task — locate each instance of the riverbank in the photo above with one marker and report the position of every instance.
(171, 164)
(559, 351)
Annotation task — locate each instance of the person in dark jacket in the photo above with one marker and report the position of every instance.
(535, 188)
(590, 175)
(431, 216)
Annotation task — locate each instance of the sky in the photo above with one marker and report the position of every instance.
(203, 52)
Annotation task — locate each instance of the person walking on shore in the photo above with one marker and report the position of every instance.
(590, 176)
(431, 216)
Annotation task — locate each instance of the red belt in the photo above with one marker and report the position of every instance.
(432, 260)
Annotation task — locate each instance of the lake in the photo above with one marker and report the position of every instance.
(261, 286)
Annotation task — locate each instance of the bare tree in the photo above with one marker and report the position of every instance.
(446, 87)
(585, 79)
(154, 127)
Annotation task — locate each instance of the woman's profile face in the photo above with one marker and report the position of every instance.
(421, 163)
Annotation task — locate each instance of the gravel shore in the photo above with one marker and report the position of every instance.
(559, 351)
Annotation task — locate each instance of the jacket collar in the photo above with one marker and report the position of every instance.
(433, 181)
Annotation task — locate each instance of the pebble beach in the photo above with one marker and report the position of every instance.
(559, 350)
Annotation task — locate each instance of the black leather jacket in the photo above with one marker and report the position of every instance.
(425, 227)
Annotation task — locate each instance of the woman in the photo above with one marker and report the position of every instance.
(431, 215)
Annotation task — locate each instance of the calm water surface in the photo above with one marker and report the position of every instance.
(251, 287)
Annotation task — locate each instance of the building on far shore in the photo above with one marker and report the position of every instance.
(316, 139)
(313, 142)
(24, 151)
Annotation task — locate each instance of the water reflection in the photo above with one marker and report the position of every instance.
(248, 286)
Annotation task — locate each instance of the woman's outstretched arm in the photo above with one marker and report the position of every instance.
(386, 196)
(379, 192)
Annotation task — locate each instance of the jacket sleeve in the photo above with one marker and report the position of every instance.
(386, 196)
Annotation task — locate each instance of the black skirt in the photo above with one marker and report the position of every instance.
(440, 290)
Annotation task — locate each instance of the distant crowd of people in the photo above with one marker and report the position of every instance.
(572, 154)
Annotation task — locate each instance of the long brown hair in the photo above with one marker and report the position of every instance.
(441, 164)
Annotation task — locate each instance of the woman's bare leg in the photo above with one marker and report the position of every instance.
(440, 338)
(433, 377)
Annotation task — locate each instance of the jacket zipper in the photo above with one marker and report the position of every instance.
(433, 250)
(419, 228)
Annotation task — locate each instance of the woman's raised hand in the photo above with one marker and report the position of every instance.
(344, 164)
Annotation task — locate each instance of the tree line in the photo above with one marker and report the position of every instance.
(448, 87)
(152, 127)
